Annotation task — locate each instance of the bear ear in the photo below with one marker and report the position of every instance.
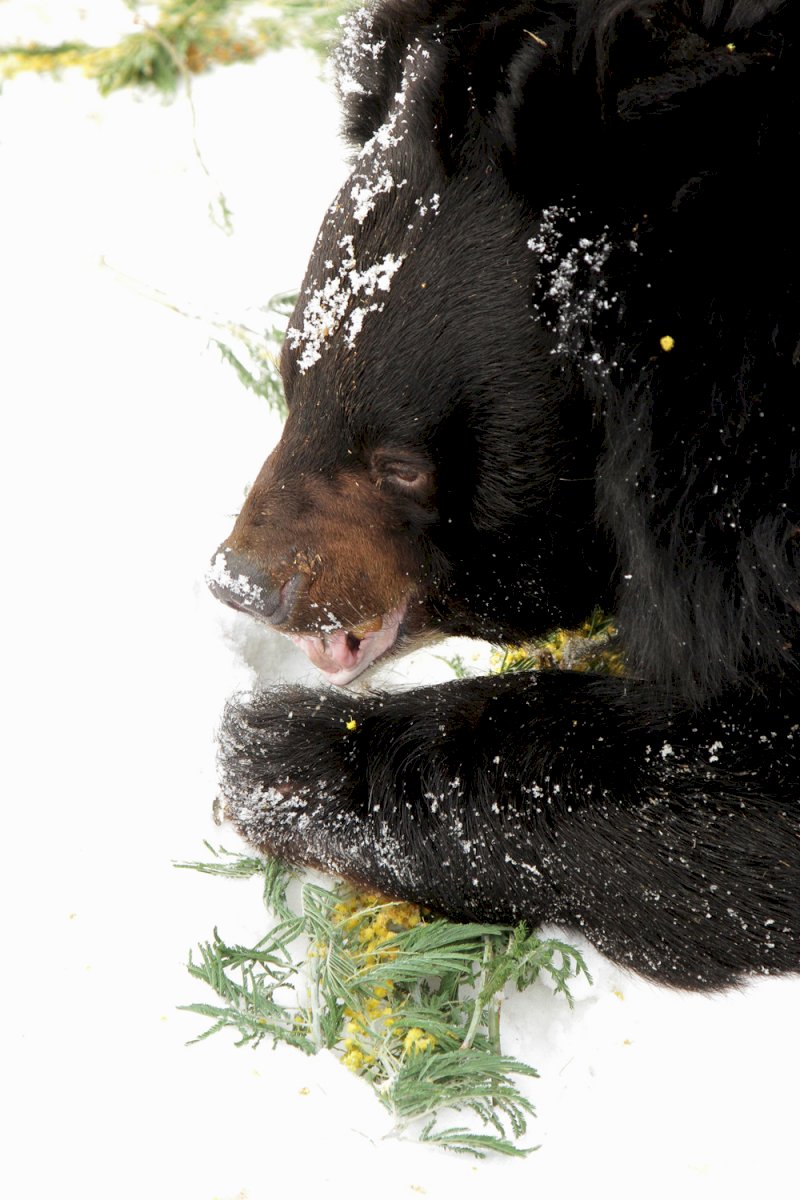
(554, 87)
(662, 56)
(370, 57)
(628, 86)
(479, 64)
(367, 62)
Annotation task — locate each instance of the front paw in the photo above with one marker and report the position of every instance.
(288, 767)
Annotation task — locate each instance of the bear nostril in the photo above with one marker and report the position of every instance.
(234, 579)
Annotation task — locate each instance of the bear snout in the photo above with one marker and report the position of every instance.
(238, 581)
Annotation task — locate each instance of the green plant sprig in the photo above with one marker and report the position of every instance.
(593, 647)
(251, 345)
(186, 37)
(408, 1000)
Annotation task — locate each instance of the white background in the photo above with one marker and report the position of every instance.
(126, 446)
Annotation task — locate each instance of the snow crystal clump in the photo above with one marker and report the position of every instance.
(240, 586)
(575, 290)
(328, 305)
(372, 175)
(358, 41)
(365, 191)
(346, 296)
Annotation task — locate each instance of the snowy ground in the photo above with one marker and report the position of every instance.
(126, 448)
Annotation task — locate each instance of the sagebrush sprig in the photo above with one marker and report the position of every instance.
(408, 1000)
(185, 38)
(250, 343)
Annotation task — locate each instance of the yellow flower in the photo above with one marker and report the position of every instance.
(417, 1040)
(667, 342)
(351, 724)
(354, 1059)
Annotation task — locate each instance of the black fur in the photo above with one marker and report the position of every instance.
(607, 175)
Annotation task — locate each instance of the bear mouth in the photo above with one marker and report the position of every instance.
(344, 654)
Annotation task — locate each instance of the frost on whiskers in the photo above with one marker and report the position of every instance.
(346, 295)
(574, 290)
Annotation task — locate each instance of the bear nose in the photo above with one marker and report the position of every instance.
(238, 581)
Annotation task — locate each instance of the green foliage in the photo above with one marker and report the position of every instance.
(523, 960)
(407, 1000)
(232, 865)
(592, 647)
(313, 24)
(251, 345)
(253, 348)
(186, 38)
(456, 664)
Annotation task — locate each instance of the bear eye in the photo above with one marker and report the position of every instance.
(412, 476)
(403, 474)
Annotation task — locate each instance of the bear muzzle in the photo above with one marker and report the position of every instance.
(340, 653)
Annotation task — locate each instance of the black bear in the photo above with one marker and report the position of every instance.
(547, 356)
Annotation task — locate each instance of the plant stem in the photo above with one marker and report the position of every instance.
(478, 1006)
(493, 1022)
(218, 202)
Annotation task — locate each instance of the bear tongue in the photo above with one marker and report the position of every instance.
(333, 653)
(342, 656)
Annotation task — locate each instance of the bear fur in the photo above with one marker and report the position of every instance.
(547, 356)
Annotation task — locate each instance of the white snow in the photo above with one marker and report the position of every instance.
(372, 176)
(125, 451)
(577, 288)
(238, 585)
(356, 41)
(328, 305)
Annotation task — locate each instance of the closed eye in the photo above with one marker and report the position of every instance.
(405, 475)
(411, 475)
